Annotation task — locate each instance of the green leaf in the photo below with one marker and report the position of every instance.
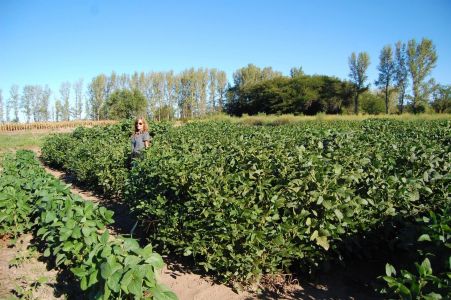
(389, 270)
(93, 277)
(84, 283)
(323, 242)
(79, 272)
(131, 260)
(113, 281)
(131, 244)
(60, 258)
(104, 237)
(109, 268)
(424, 237)
(126, 281)
(414, 195)
(432, 296)
(426, 264)
(135, 286)
(49, 217)
(314, 235)
(338, 214)
(146, 252)
(161, 292)
(155, 260)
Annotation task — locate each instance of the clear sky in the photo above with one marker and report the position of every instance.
(52, 41)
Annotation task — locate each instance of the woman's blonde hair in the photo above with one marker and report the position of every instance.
(145, 126)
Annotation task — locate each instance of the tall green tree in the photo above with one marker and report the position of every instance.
(97, 91)
(35, 103)
(27, 101)
(126, 104)
(65, 88)
(296, 72)
(358, 65)
(244, 78)
(13, 102)
(386, 73)
(221, 89)
(58, 110)
(422, 59)
(442, 99)
(77, 109)
(201, 91)
(170, 94)
(212, 103)
(401, 73)
(43, 103)
(7, 111)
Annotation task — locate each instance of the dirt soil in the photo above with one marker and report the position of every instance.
(29, 277)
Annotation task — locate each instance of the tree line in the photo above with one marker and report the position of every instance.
(158, 95)
(200, 92)
(258, 90)
(399, 66)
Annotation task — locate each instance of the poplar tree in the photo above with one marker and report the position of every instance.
(78, 93)
(27, 101)
(422, 59)
(97, 97)
(171, 90)
(401, 73)
(65, 88)
(386, 73)
(212, 90)
(221, 89)
(35, 103)
(14, 101)
(58, 110)
(358, 65)
(44, 96)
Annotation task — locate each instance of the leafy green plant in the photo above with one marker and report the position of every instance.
(73, 233)
(435, 243)
(245, 200)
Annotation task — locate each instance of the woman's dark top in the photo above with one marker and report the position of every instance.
(138, 142)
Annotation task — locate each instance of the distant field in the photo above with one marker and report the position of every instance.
(52, 125)
(14, 136)
(22, 140)
(289, 118)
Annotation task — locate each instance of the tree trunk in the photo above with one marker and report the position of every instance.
(356, 103)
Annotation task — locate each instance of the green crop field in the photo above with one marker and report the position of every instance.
(244, 201)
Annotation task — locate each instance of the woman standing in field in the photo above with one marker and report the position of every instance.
(140, 139)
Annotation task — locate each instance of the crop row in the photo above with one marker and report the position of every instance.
(97, 157)
(73, 233)
(244, 201)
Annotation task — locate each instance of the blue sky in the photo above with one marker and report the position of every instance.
(49, 42)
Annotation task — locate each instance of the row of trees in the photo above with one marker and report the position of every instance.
(396, 65)
(199, 92)
(159, 95)
(258, 90)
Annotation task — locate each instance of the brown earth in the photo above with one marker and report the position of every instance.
(24, 275)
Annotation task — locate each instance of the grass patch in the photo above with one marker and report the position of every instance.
(11, 141)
